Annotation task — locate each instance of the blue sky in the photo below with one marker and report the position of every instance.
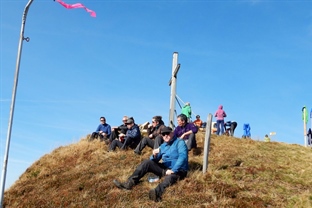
(253, 57)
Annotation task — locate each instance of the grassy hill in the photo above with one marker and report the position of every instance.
(241, 173)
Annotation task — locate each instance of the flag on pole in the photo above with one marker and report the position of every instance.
(305, 114)
(76, 6)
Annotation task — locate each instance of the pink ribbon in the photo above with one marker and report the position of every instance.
(76, 6)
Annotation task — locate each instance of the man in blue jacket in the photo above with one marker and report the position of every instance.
(131, 139)
(174, 155)
(103, 130)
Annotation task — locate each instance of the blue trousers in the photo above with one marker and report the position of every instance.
(220, 126)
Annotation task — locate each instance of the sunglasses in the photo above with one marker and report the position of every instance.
(102, 120)
(165, 134)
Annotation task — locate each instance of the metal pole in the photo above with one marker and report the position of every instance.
(304, 127)
(173, 89)
(207, 142)
(19, 52)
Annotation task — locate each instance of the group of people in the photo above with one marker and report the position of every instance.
(169, 146)
(128, 134)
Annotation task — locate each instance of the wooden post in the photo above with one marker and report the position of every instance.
(172, 83)
(207, 143)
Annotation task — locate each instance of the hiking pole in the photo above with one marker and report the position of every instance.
(19, 52)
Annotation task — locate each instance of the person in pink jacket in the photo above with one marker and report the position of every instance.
(220, 114)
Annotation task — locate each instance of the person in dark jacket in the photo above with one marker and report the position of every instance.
(132, 138)
(309, 135)
(103, 131)
(230, 127)
(122, 129)
(174, 155)
(154, 139)
(186, 131)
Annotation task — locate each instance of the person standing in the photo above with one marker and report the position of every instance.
(220, 114)
(309, 136)
(174, 166)
(103, 130)
(187, 111)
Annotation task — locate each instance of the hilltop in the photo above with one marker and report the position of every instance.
(241, 173)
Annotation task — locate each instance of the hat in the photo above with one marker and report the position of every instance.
(166, 130)
(129, 121)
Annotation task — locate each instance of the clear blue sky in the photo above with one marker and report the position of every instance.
(253, 57)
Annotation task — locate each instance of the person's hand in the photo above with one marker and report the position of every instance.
(155, 152)
(169, 172)
(150, 136)
(182, 136)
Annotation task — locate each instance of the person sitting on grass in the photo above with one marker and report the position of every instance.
(103, 130)
(174, 155)
(154, 139)
(116, 130)
(132, 138)
(198, 122)
(186, 131)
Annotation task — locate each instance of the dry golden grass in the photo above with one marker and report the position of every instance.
(241, 173)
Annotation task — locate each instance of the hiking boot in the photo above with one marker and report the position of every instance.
(153, 195)
(138, 153)
(126, 185)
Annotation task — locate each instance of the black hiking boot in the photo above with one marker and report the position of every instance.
(126, 185)
(153, 195)
(137, 153)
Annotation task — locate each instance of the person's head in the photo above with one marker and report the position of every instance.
(266, 135)
(181, 119)
(156, 120)
(124, 119)
(188, 103)
(102, 120)
(220, 106)
(197, 117)
(167, 134)
(129, 123)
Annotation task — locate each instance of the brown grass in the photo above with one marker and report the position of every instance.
(241, 173)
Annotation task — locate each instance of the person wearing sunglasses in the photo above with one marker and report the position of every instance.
(186, 131)
(154, 139)
(174, 166)
(103, 131)
(117, 130)
(131, 139)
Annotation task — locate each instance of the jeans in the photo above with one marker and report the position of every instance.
(220, 126)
